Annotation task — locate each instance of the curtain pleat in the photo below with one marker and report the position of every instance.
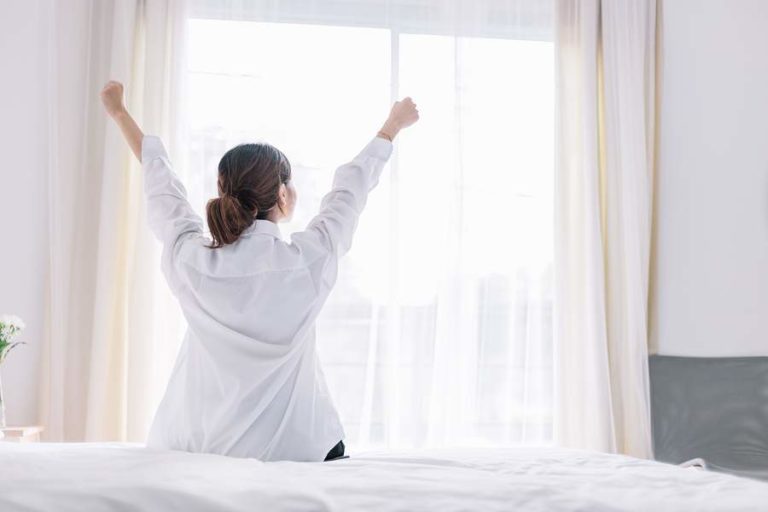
(605, 53)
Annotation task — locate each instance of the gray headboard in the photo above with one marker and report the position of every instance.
(712, 408)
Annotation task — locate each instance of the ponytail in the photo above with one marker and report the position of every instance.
(227, 219)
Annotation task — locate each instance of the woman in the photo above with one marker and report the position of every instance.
(247, 381)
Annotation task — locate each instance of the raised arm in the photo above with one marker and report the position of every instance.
(331, 230)
(112, 98)
(169, 214)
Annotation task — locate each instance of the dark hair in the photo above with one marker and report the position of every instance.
(249, 183)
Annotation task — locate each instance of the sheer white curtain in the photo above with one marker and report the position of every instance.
(110, 339)
(606, 62)
(439, 330)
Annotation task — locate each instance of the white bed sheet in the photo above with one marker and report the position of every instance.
(124, 477)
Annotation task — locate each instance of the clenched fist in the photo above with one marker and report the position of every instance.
(112, 98)
(403, 114)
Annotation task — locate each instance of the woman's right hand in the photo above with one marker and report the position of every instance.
(112, 98)
(403, 114)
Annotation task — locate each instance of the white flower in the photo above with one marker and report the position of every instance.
(12, 321)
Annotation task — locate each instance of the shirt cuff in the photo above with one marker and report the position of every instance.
(378, 148)
(151, 148)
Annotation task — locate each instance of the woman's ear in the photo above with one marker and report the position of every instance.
(282, 199)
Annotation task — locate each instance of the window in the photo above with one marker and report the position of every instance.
(439, 328)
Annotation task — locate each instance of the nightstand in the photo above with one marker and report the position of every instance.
(30, 434)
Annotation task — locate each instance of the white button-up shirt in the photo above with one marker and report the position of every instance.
(247, 381)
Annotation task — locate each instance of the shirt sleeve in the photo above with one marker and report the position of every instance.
(333, 227)
(169, 213)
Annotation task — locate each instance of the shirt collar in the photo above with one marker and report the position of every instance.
(264, 226)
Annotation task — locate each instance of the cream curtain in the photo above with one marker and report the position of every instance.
(605, 64)
(108, 350)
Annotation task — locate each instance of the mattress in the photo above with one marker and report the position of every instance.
(96, 477)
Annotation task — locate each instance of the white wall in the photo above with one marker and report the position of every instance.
(23, 197)
(712, 261)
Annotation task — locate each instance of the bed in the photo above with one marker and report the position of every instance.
(126, 477)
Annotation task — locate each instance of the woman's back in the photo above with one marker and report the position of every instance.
(260, 286)
(247, 382)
